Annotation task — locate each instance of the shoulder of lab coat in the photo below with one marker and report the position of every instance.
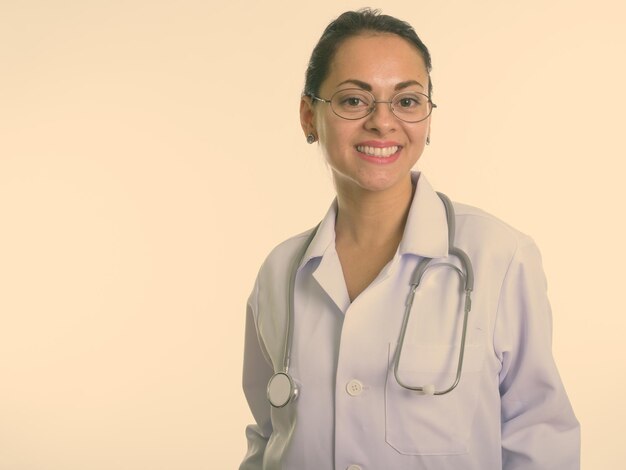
(539, 428)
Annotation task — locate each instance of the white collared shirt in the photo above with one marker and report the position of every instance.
(510, 409)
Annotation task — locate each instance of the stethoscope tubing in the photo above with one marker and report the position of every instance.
(466, 272)
(291, 300)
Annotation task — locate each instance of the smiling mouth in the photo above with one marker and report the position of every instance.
(381, 152)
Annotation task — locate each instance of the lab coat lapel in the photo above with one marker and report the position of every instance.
(328, 273)
(426, 230)
(329, 276)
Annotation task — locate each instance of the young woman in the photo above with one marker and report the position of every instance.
(404, 332)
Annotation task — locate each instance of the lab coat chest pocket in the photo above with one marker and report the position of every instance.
(418, 424)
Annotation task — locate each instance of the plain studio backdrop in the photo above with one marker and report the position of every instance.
(151, 156)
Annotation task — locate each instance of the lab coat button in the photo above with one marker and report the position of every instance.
(354, 467)
(354, 388)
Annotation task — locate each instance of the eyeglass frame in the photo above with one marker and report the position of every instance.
(374, 103)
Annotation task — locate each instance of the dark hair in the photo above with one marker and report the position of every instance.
(353, 23)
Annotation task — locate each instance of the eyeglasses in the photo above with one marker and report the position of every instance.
(355, 103)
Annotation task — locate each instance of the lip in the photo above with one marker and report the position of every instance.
(379, 143)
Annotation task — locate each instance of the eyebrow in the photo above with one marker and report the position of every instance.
(408, 83)
(368, 87)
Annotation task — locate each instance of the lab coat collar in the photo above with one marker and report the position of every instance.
(324, 238)
(425, 233)
(426, 230)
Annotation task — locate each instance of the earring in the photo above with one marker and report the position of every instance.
(428, 140)
(310, 138)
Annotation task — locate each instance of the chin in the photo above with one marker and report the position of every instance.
(375, 181)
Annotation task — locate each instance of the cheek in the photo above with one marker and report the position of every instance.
(341, 130)
(333, 135)
(330, 144)
(418, 134)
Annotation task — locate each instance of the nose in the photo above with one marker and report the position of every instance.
(381, 119)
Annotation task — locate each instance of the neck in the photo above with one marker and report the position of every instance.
(372, 218)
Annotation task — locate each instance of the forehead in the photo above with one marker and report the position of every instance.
(378, 59)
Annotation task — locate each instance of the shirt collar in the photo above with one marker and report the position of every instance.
(425, 233)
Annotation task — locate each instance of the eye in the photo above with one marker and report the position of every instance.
(353, 101)
(408, 101)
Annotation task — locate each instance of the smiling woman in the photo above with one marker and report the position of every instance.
(380, 65)
(370, 158)
(404, 331)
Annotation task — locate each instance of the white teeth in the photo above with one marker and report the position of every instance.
(378, 151)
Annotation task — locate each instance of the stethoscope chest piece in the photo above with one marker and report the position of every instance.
(281, 389)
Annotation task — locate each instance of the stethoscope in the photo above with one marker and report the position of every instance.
(282, 389)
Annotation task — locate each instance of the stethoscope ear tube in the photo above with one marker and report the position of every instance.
(467, 274)
(421, 268)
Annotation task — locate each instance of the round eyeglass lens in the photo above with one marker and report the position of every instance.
(411, 106)
(352, 103)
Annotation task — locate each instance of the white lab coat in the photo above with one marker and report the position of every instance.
(510, 409)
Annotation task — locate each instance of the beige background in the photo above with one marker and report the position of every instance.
(151, 156)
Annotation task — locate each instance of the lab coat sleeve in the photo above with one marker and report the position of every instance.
(256, 374)
(539, 429)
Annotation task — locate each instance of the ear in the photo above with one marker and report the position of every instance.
(307, 115)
